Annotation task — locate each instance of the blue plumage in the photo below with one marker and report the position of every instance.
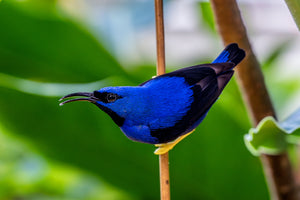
(167, 106)
(140, 101)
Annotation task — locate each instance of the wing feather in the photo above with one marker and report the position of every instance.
(207, 82)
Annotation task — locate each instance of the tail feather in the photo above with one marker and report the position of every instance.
(232, 53)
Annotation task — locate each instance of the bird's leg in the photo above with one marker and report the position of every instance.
(165, 147)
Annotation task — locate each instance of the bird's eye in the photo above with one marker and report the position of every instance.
(111, 97)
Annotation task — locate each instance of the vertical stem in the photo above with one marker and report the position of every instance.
(160, 66)
(164, 176)
(160, 37)
(278, 170)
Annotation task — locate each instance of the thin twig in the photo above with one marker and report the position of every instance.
(164, 176)
(160, 66)
(277, 168)
(160, 37)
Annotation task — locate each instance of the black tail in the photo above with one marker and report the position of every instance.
(232, 53)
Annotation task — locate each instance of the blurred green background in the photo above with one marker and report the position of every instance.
(53, 47)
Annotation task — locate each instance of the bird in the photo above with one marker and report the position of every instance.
(167, 108)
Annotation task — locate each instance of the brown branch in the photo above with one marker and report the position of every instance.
(160, 66)
(277, 169)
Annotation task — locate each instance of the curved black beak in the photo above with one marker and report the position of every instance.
(90, 97)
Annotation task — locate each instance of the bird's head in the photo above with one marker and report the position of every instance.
(117, 102)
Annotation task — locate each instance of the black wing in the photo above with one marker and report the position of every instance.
(207, 83)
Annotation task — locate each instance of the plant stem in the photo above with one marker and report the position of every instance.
(160, 37)
(294, 7)
(160, 66)
(277, 169)
(164, 176)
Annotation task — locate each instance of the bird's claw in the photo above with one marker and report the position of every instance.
(166, 147)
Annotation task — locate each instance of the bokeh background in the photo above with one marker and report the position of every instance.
(49, 48)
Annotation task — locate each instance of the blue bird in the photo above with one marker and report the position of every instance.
(166, 108)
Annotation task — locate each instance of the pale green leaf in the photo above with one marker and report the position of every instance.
(266, 138)
(271, 137)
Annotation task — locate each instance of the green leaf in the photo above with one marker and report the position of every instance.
(207, 15)
(56, 89)
(271, 137)
(266, 138)
(31, 176)
(50, 47)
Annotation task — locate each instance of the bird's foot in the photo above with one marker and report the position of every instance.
(165, 147)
